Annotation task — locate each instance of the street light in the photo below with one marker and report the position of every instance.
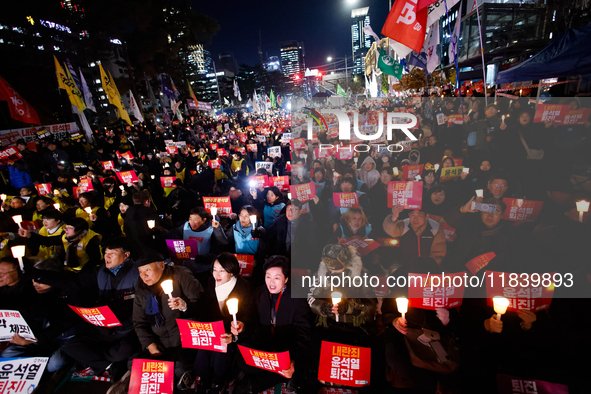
(329, 59)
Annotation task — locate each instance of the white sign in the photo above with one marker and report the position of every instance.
(58, 131)
(274, 151)
(21, 375)
(267, 165)
(261, 138)
(11, 322)
(285, 138)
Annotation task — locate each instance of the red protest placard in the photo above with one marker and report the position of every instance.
(324, 152)
(435, 291)
(126, 177)
(108, 165)
(214, 147)
(168, 181)
(252, 147)
(344, 364)
(221, 152)
(409, 173)
(450, 173)
(151, 377)
(258, 181)
(213, 164)
(274, 362)
(101, 316)
(198, 335)
(43, 189)
(450, 232)
(507, 384)
(10, 154)
(221, 203)
(77, 190)
(127, 155)
(30, 225)
(241, 150)
(182, 249)
(519, 289)
(298, 143)
(479, 262)
(86, 185)
(519, 210)
(246, 262)
(362, 246)
(344, 152)
(172, 150)
(345, 200)
(550, 112)
(455, 119)
(304, 192)
(242, 137)
(407, 194)
(281, 182)
(575, 116)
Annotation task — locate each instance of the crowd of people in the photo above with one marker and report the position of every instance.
(89, 243)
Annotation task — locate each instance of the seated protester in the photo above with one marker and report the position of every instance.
(113, 284)
(293, 234)
(110, 193)
(353, 223)
(497, 187)
(345, 185)
(443, 321)
(136, 219)
(16, 207)
(43, 204)
(124, 205)
(361, 186)
(368, 173)
(242, 237)
(50, 319)
(429, 178)
(437, 201)
(53, 226)
(239, 166)
(237, 199)
(154, 314)
(323, 187)
(478, 233)
(213, 367)
(378, 198)
(29, 193)
(476, 179)
(271, 207)
(419, 236)
(16, 293)
(81, 246)
(97, 219)
(278, 323)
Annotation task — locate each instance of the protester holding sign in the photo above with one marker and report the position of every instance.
(271, 207)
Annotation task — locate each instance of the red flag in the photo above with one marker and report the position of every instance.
(406, 24)
(19, 109)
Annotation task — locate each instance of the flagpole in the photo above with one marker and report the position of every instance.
(217, 82)
(455, 48)
(482, 55)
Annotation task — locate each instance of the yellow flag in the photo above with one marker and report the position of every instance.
(66, 82)
(113, 94)
(193, 95)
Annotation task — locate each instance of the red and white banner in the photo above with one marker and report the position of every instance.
(550, 113)
(409, 173)
(407, 24)
(304, 192)
(168, 181)
(519, 210)
(29, 134)
(344, 364)
(479, 262)
(507, 384)
(323, 153)
(274, 362)
(172, 150)
(21, 375)
(214, 164)
(151, 377)
(101, 316)
(298, 143)
(19, 109)
(86, 185)
(280, 182)
(455, 119)
(246, 262)
(10, 154)
(575, 116)
(260, 181)
(221, 152)
(223, 205)
(198, 335)
(435, 291)
(30, 226)
(126, 177)
(43, 189)
(344, 153)
(252, 147)
(407, 194)
(345, 200)
(108, 165)
(127, 155)
(521, 292)
(214, 147)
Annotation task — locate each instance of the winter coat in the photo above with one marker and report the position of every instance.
(371, 177)
(209, 310)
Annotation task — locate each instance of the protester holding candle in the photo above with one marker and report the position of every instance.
(97, 218)
(53, 226)
(244, 238)
(271, 207)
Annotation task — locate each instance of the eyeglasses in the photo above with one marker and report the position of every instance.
(3, 274)
(294, 209)
(501, 185)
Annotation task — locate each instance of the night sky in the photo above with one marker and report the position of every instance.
(323, 26)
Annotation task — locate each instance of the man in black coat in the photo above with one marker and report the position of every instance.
(136, 220)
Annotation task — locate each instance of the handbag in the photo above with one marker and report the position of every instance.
(428, 350)
(532, 154)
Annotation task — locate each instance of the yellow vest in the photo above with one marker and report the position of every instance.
(81, 213)
(46, 252)
(219, 174)
(181, 175)
(38, 217)
(237, 165)
(109, 201)
(4, 249)
(120, 221)
(81, 250)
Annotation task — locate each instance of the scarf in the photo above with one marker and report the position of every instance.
(72, 256)
(153, 304)
(223, 291)
(244, 231)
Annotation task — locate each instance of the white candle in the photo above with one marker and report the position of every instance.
(121, 187)
(88, 210)
(3, 197)
(355, 159)
(395, 169)
(500, 305)
(336, 298)
(214, 211)
(479, 193)
(56, 206)
(151, 224)
(402, 305)
(289, 196)
(75, 181)
(503, 119)
(232, 305)
(167, 288)
(417, 178)
(436, 167)
(582, 207)
(18, 252)
(56, 192)
(152, 176)
(253, 220)
(18, 219)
